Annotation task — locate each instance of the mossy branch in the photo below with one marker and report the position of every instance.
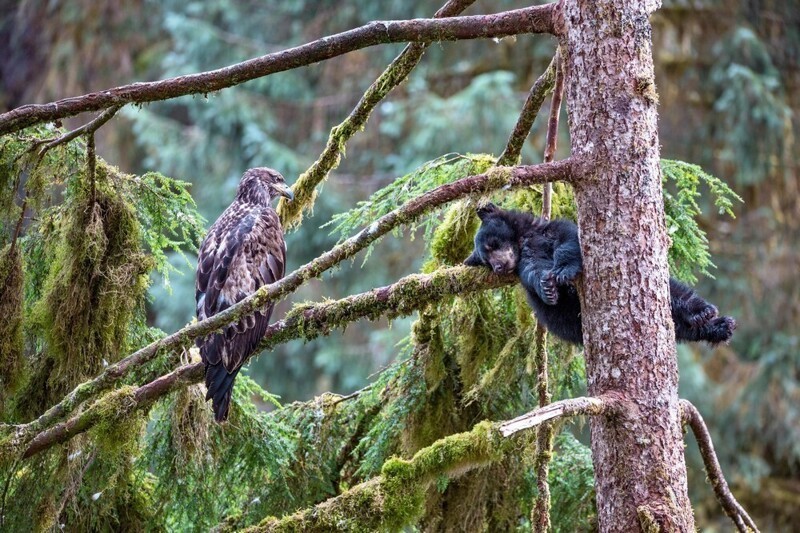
(115, 405)
(396, 73)
(734, 510)
(307, 322)
(396, 498)
(569, 169)
(537, 19)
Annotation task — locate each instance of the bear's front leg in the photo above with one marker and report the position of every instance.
(540, 281)
(567, 263)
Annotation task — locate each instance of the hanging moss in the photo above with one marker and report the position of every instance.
(452, 240)
(11, 348)
(437, 414)
(97, 278)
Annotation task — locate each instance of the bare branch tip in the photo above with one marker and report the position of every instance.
(691, 416)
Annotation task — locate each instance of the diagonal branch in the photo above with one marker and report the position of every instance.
(89, 128)
(399, 299)
(530, 110)
(537, 19)
(396, 73)
(570, 169)
(732, 508)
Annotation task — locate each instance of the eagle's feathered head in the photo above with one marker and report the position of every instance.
(261, 185)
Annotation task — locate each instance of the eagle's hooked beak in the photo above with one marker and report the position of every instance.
(284, 191)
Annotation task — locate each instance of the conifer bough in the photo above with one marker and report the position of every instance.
(569, 169)
(399, 299)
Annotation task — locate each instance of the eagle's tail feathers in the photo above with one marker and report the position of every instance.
(220, 388)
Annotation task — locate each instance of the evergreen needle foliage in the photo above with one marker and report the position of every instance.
(445, 169)
(688, 252)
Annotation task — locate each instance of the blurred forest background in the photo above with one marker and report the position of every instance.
(728, 77)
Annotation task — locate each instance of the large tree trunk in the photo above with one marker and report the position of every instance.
(627, 328)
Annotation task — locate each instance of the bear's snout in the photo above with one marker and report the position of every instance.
(503, 261)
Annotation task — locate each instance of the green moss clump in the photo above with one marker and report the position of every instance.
(11, 311)
(452, 240)
(455, 453)
(98, 276)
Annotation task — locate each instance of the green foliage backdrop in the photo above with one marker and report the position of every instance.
(103, 267)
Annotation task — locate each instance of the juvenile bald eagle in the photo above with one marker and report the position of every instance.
(244, 249)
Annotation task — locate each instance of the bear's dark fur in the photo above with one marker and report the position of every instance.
(546, 256)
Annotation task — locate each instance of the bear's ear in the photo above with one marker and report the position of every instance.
(473, 260)
(486, 210)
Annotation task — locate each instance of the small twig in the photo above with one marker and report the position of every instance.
(552, 133)
(76, 483)
(722, 491)
(6, 486)
(91, 163)
(362, 427)
(585, 405)
(89, 128)
(18, 227)
(352, 395)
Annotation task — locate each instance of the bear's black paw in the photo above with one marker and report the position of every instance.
(549, 289)
(703, 316)
(565, 276)
(719, 330)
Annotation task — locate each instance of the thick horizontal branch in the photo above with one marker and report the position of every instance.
(399, 299)
(569, 170)
(396, 73)
(538, 19)
(732, 508)
(564, 408)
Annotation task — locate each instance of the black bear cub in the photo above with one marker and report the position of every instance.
(547, 258)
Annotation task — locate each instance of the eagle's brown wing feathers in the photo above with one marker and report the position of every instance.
(243, 251)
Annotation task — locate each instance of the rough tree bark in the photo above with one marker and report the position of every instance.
(628, 334)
